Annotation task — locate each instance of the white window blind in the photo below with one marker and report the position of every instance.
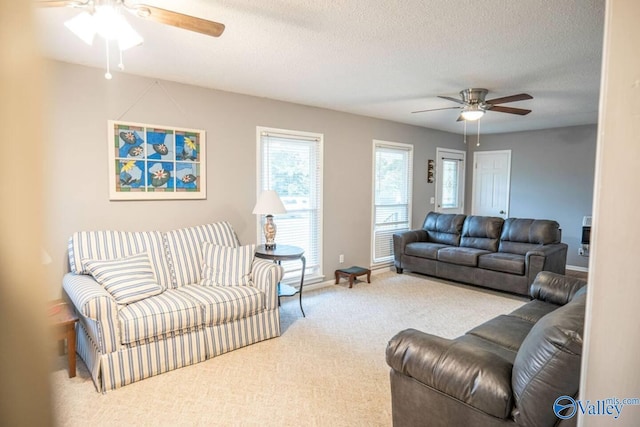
(290, 163)
(393, 171)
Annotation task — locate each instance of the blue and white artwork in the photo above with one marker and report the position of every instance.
(155, 162)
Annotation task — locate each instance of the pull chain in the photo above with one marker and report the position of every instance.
(107, 75)
(465, 131)
(478, 141)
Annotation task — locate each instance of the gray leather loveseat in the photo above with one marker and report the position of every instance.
(481, 250)
(508, 371)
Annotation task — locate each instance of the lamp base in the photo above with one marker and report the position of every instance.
(270, 232)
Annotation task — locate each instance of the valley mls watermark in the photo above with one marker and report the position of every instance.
(566, 407)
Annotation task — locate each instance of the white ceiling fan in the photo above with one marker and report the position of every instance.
(105, 18)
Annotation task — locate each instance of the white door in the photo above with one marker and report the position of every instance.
(450, 180)
(491, 182)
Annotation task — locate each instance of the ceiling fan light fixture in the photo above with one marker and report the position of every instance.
(83, 26)
(472, 113)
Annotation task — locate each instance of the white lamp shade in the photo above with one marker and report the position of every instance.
(269, 203)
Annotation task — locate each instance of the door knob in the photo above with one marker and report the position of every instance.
(502, 212)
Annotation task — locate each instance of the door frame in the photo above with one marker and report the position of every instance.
(439, 153)
(475, 181)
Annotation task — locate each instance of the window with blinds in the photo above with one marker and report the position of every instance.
(290, 162)
(392, 194)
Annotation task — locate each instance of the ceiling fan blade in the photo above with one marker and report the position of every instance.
(512, 98)
(176, 19)
(459, 101)
(510, 110)
(61, 3)
(436, 109)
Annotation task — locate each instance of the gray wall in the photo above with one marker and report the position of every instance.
(552, 174)
(80, 101)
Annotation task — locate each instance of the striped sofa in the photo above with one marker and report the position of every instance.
(178, 322)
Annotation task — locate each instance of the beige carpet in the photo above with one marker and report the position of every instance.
(327, 369)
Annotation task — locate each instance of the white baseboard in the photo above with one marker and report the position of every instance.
(577, 268)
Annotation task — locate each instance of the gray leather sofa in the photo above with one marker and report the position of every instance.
(508, 371)
(480, 250)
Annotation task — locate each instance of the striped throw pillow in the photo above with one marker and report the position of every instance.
(226, 266)
(127, 279)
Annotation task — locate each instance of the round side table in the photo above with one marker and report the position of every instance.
(285, 253)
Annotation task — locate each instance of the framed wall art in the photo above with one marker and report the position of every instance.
(151, 162)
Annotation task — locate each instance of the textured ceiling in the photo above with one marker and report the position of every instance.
(375, 58)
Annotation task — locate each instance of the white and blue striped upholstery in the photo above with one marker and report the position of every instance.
(226, 266)
(185, 249)
(121, 344)
(109, 245)
(153, 317)
(127, 279)
(97, 309)
(221, 304)
(265, 275)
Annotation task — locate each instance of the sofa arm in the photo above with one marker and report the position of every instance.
(265, 276)
(402, 239)
(457, 369)
(555, 288)
(551, 257)
(97, 310)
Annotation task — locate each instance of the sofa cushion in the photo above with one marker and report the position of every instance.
(533, 310)
(153, 317)
(505, 331)
(503, 262)
(547, 365)
(109, 245)
(424, 249)
(444, 228)
(127, 279)
(461, 256)
(220, 304)
(185, 249)
(226, 266)
(481, 232)
(520, 235)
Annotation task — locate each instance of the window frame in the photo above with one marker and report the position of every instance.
(409, 148)
(314, 272)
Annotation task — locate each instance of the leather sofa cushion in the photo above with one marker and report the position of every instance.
(505, 331)
(503, 262)
(444, 228)
(533, 310)
(520, 235)
(481, 232)
(548, 364)
(424, 249)
(461, 256)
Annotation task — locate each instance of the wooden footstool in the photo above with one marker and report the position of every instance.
(352, 273)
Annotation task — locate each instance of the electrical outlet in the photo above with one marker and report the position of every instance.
(432, 200)
(341, 258)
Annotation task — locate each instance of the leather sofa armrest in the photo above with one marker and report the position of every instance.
(555, 288)
(550, 257)
(97, 310)
(402, 239)
(457, 369)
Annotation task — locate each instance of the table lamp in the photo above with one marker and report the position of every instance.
(269, 203)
